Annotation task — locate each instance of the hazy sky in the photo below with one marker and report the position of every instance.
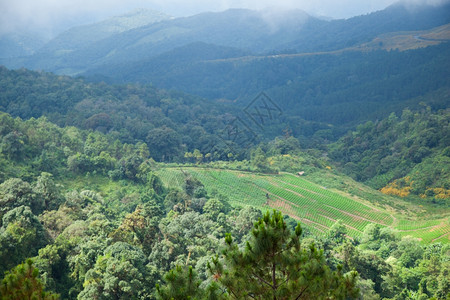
(54, 15)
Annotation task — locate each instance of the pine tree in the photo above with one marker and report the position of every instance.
(274, 265)
(23, 283)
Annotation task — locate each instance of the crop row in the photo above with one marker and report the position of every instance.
(333, 199)
(317, 207)
(416, 225)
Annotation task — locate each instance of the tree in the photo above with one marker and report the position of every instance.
(15, 192)
(49, 191)
(274, 265)
(13, 145)
(186, 239)
(164, 143)
(259, 161)
(140, 227)
(121, 273)
(243, 221)
(21, 236)
(23, 283)
(180, 283)
(176, 198)
(366, 263)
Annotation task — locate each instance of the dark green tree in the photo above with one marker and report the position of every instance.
(274, 265)
(15, 192)
(23, 283)
(21, 236)
(182, 283)
(46, 187)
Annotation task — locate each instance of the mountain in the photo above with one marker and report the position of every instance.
(15, 52)
(401, 16)
(244, 29)
(15, 44)
(81, 37)
(260, 32)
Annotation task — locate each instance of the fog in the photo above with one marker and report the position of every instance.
(53, 16)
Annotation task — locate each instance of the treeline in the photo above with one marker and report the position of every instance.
(169, 123)
(28, 148)
(406, 154)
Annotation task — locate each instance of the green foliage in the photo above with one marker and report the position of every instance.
(140, 228)
(15, 192)
(180, 283)
(185, 238)
(46, 187)
(21, 236)
(23, 283)
(54, 267)
(91, 208)
(120, 273)
(274, 265)
(407, 148)
(165, 121)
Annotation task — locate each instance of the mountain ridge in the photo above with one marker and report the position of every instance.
(260, 32)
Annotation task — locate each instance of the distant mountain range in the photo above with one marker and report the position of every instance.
(15, 46)
(144, 34)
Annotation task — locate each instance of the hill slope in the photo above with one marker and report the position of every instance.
(333, 87)
(402, 155)
(315, 206)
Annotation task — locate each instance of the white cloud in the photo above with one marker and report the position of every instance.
(54, 15)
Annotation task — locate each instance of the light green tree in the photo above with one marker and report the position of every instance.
(121, 273)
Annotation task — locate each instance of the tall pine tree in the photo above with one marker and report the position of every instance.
(274, 265)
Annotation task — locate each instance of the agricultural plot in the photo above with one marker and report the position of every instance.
(315, 206)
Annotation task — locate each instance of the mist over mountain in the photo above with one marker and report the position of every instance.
(143, 34)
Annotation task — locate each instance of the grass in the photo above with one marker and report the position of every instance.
(318, 207)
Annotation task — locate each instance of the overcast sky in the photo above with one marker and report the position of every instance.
(55, 15)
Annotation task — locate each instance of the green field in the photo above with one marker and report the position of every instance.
(315, 206)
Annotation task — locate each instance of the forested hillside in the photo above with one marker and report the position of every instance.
(169, 122)
(408, 145)
(339, 88)
(402, 155)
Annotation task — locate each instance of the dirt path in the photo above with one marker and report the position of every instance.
(417, 229)
(355, 216)
(441, 236)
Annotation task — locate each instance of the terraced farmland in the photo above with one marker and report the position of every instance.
(315, 206)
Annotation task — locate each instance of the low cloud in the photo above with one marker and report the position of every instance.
(53, 16)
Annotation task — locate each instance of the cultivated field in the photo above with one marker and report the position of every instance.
(315, 206)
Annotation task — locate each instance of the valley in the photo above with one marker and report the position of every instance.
(231, 154)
